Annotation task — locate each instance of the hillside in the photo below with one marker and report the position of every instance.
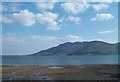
(81, 48)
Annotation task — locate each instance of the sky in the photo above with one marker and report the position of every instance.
(28, 27)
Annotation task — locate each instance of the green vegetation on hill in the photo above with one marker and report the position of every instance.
(81, 48)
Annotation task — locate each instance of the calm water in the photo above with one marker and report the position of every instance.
(60, 60)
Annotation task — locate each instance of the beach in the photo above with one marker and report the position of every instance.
(61, 72)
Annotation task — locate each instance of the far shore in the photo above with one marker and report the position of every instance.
(60, 72)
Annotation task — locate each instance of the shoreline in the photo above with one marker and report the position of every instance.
(54, 65)
(61, 72)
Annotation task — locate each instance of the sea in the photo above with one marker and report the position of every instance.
(59, 60)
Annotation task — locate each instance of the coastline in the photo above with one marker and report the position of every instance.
(61, 72)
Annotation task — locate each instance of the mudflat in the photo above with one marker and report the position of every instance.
(60, 72)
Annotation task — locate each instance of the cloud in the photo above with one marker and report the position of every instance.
(62, 19)
(11, 7)
(100, 6)
(75, 7)
(74, 19)
(72, 38)
(49, 19)
(67, 38)
(102, 17)
(109, 1)
(27, 18)
(106, 32)
(45, 5)
(13, 37)
(78, 7)
(61, 0)
(16, 44)
(6, 20)
(24, 17)
(42, 38)
(0, 18)
(2, 8)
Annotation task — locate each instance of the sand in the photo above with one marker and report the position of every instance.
(63, 72)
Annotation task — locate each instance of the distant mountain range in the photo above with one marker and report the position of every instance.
(81, 48)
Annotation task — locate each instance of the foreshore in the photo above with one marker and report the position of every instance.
(60, 72)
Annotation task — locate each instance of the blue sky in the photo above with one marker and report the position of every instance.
(29, 27)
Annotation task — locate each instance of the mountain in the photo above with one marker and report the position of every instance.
(81, 48)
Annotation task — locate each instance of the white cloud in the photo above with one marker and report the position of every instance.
(62, 19)
(102, 17)
(27, 18)
(72, 38)
(17, 44)
(74, 19)
(0, 18)
(67, 38)
(13, 37)
(6, 20)
(78, 7)
(61, 0)
(11, 7)
(49, 19)
(45, 5)
(2, 8)
(106, 31)
(24, 17)
(100, 6)
(42, 38)
(75, 7)
(109, 1)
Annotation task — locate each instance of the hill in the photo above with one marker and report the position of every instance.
(81, 48)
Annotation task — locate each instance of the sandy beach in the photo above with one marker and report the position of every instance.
(62, 72)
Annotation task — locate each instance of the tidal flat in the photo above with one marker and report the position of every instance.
(61, 72)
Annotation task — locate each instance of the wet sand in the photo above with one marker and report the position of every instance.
(64, 72)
